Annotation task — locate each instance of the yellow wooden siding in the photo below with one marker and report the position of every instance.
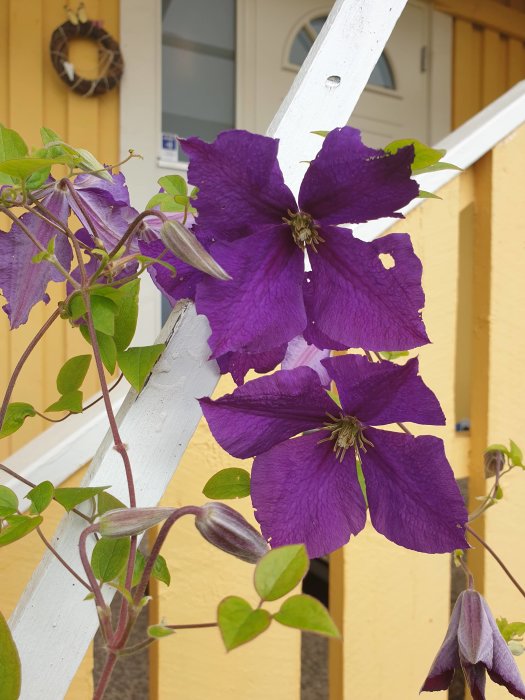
(32, 95)
(486, 63)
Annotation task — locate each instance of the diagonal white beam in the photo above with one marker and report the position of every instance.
(52, 625)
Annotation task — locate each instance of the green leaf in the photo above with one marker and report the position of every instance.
(322, 133)
(12, 145)
(436, 166)
(510, 630)
(107, 347)
(126, 318)
(41, 495)
(71, 402)
(49, 136)
(8, 501)
(106, 501)
(393, 354)
(334, 396)
(280, 570)
(159, 631)
(73, 373)
(306, 613)
(160, 571)
(25, 167)
(38, 178)
(424, 156)
(423, 194)
(19, 527)
(103, 311)
(174, 185)
(69, 497)
(228, 483)
(361, 480)
(136, 363)
(239, 622)
(109, 558)
(516, 455)
(496, 447)
(15, 416)
(10, 669)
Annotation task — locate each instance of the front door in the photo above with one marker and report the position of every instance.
(396, 103)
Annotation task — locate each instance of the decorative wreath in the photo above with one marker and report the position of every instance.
(110, 57)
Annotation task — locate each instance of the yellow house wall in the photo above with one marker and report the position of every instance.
(412, 604)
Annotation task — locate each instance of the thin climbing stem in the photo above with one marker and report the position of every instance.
(61, 560)
(496, 557)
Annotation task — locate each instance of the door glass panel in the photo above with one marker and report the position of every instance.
(198, 67)
(381, 76)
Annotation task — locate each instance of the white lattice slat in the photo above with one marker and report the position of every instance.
(52, 625)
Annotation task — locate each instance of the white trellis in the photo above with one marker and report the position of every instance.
(52, 633)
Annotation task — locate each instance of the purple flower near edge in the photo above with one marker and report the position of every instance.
(258, 234)
(473, 643)
(306, 490)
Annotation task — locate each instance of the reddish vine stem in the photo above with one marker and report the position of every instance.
(23, 358)
(32, 485)
(496, 557)
(105, 676)
(103, 610)
(61, 560)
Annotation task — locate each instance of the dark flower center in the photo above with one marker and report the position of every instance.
(346, 432)
(304, 231)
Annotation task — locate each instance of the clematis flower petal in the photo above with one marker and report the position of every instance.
(503, 669)
(24, 283)
(240, 363)
(267, 410)
(351, 183)
(367, 306)
(474, 643)
(302, 493)
(447, 659)
(240, 183)
(261, 307)
(383, 392)
(412, 495)
(106, 204)
(299, 353)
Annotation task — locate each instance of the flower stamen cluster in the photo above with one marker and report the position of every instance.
(346, 431)
(304, 231)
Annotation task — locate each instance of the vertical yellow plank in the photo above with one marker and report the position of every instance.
(202, 576)
(53, 117)
(336, 597)
(494, 66)
(466, 98)
(505, 526)
(109, 133)
(482, 271)
(516, 62)
(25, 115)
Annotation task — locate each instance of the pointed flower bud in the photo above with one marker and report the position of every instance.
(473, 643)
(123, 522)
(494, 461)
(226, 529)
(184, 245)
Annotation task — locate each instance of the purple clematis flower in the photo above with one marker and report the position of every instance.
(307, 489)
(473, 643)
(258, 233)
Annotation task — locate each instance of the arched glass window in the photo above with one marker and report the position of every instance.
(382, 75)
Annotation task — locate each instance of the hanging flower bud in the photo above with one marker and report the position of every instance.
(226, 529)
(184, 245)
(124, 522)
(494, 461)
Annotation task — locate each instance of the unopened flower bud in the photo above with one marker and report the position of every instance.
(124, 522)
(494, 461)
(226, 529)
(184, 244)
